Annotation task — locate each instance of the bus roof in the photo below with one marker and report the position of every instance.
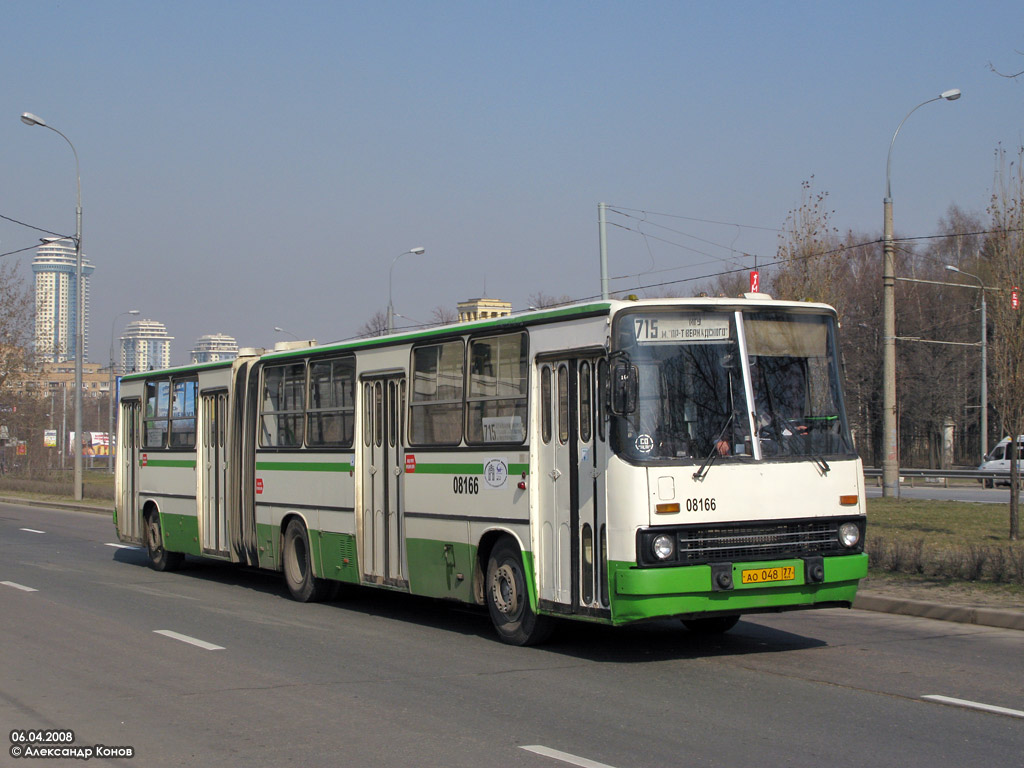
(522, 319)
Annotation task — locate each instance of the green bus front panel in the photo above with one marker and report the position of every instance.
(647, 593)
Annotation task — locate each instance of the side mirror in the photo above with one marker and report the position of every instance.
(625, 385)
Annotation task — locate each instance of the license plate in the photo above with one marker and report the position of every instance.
(763, 575)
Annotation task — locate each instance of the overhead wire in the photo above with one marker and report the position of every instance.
(37, 229)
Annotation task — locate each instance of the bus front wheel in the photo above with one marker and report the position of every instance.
(159, 558)
(508, 602)
(298, 566)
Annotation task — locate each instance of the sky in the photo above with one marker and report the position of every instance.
(246, 166)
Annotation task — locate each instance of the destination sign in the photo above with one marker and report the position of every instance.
(681, 329)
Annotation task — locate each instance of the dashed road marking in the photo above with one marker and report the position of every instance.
(22, 587)
(973, 705)
(190, 640)
(565, 757)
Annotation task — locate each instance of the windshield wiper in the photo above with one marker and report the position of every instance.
(700, 473)
(795, 433)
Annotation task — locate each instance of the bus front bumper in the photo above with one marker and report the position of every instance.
(697, 590)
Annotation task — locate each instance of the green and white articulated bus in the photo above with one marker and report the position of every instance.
(615, 462)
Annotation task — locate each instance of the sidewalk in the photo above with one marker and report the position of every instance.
(887, 601)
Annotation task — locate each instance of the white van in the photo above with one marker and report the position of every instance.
(998, 461)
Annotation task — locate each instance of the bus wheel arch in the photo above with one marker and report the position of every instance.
(159, 558)
(507, 596)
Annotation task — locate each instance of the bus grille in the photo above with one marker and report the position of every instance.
(747, 541)
(757, 541)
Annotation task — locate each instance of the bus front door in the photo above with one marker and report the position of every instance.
(213, 463)
(571, 519)
(383, 529)
(129, 526)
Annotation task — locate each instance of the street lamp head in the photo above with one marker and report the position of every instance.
(419, 250)
(29, 119)
(951, 268)
(951, 95)
(133, 311)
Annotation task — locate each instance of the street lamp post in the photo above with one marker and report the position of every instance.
(890, 458)
(113, 401)
(279, 329)
(418, 251)
(984, 360)
(29, 119)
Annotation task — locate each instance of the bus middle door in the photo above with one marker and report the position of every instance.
(382, 507)
(129, 440)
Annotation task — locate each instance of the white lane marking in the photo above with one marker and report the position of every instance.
(22, 587)
(121, 546)
(565, 757)
(189, 640)
(30, 530)
(974, 705)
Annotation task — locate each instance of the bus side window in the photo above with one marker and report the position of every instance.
(602, 398)
(158, 404)
(563, 404)
(436, 400)
(283, 405)
(545, 404)
(586, 400)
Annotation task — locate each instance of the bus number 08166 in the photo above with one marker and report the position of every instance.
(465, 484)
(701, 505)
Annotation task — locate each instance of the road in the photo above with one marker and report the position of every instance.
(955, 493)
(214, 665)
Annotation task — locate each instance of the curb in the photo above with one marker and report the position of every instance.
(988, 617)
(62, 505)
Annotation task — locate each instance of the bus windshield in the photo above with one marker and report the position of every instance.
(730, 385)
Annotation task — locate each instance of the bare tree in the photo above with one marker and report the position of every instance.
(541, 300)
(811, 253)
(15, 324)
(861, 338)
(443, 315)
(377, 325)
(15, 360)
(729, 284)
(1004, 254)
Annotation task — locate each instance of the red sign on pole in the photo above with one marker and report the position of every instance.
(755, 282)
(1015, 297)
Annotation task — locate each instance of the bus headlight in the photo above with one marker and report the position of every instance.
(664, 546)
(849, 534)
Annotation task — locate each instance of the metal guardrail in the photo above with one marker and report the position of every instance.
(908, 475)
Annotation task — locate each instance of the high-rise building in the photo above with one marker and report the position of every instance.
(57, 301)
(145, 346)
(214, 347)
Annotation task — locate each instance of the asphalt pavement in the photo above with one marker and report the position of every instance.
(866, 600)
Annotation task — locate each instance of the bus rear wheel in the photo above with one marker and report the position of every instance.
(715, 625)
(508, 601)
(159, 558)
(298, 566)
